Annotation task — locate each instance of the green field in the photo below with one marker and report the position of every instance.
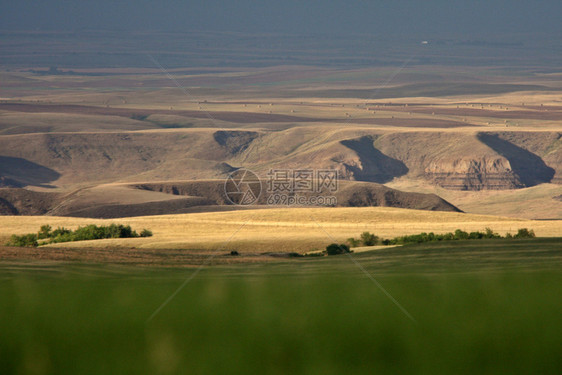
(479, 307)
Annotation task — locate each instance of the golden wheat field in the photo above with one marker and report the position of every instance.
(279, 229)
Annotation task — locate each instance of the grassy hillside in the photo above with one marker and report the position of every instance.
(489, 307)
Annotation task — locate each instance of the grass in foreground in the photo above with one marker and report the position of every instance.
(485, 307)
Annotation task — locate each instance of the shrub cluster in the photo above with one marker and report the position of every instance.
(369, 239)
(366, 239)
(525, 233)
(335, 249)
(457, 235)
(26, 240)
(88, 232)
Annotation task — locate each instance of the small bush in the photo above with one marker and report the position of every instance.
(146, 233)
(368, 239)
(461, 235)
(60, 231)
(26, 240)
(491, 234)
(89, 232)
(335, 249)
(112, 231)
(525, 233)
(448, 236)
(44, 232)
(125, 231)
(476, 235)
(63, 237)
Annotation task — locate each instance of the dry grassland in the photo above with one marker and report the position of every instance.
(279, 230)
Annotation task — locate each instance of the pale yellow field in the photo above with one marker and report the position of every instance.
(528, 203)
(279, 230)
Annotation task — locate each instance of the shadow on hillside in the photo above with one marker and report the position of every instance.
(376, 166)
(530, 168)
(18, 172)
(234, 141)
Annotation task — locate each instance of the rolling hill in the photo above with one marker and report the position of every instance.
(77, 167)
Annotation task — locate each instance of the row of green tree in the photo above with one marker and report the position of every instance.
(46, 234)
(369, 239)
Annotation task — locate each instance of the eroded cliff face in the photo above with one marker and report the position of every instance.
(461, 161)
(545, 145)
(474, 174)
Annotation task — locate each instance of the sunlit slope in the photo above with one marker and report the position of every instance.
(280, 230)
(462, 160)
